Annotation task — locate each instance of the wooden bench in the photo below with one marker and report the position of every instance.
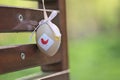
(14, 58)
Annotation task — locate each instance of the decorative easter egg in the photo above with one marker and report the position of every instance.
(47, 39)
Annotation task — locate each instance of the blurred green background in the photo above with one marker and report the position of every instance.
(93, 36)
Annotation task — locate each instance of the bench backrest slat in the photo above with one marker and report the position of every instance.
(14, 19)
(11, 58)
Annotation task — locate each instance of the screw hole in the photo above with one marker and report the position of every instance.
(20, 17)
(22, 56)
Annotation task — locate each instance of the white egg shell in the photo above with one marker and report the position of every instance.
(46, 40)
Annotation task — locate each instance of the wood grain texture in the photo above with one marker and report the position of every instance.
(63, 24)
(10, 20)
(10, 58)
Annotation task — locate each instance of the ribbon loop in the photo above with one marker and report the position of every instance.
(48, 20)
(52, 15)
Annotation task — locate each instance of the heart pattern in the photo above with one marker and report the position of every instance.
(44, 41)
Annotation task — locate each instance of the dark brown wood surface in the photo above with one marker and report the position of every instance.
(9, 19)
(61, 20)
(10, 58)
(14, 19)
(63, 24)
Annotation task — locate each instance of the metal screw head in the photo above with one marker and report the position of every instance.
(20, 17)
(22, 56)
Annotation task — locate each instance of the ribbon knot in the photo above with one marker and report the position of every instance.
(48, 20)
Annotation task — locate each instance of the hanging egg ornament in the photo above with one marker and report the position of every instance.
(48, 38)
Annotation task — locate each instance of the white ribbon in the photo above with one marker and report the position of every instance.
(45, 13)
(48, 21)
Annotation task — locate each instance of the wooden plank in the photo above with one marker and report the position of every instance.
(62, 75)
(58, 77)
(11, 60)
(63, 25)
(10, 19)
(60, 5)
(14, 19)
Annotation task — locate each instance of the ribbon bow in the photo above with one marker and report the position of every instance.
(48, 21)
